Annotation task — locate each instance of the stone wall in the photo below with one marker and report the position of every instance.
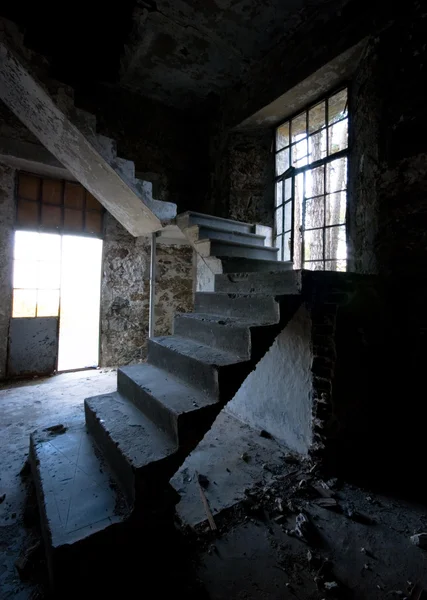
(7, 218)
(125, 292)
(168, 148)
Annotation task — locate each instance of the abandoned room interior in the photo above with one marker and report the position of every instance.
(213, 319)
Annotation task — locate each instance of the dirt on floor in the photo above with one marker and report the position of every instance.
(299, 537)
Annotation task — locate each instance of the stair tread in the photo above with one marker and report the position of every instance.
(171, 392)
(198, 351)
(79, 497)
(240, 244)
(206, 216)
(138, 438)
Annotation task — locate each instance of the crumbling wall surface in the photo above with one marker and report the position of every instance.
(125, 293)
(7, 219)
(244, 177)
(169, 147)
(277, 395)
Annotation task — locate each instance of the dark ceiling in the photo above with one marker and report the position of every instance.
(179, 52)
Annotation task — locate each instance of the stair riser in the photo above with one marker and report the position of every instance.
(199, 375)
(149, 405)
(262, 283)
(246, 265)
(220, 249)
(228, 236)
(224, 225)
(122, 469)
(261, 309)
(231, 339)
(105, 146)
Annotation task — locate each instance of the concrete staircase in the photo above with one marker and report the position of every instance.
(139, 435)
(47, 108)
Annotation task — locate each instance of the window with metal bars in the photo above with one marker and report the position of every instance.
(311, 185)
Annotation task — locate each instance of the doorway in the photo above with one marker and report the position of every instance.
(56, 303)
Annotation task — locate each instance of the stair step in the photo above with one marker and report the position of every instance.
(277, 283)
(77, 495)
(225, 333)
(256, 308)
(85, 121)
(253, 265)
(221, 249)
(174, 406)
(190, 218)
(126, 168)
(200, 366)
(106, 146)
(203, 232)
(130, 442)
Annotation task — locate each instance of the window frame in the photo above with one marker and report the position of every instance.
(293, 171)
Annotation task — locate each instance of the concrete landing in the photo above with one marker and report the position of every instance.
(234, 458)
(78, 498)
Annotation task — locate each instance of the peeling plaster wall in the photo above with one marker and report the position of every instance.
(7, 218)
(125, 293)
(277, 395)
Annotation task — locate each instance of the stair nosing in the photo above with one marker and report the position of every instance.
(203, 215)
(271, 249)
(242, 233)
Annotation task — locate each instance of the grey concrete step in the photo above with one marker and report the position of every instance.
(177, 408)
(190, 218)
(200, 366)
(220, 248)
(106, 146)
(77, 494)
(276, 283)
(225, 333)
(203, 232)
(253, 265)
(135, 448)
(219, 458)
(254, 308)
(126, 168)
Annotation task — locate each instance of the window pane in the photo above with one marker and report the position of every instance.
(278, 244)
(74, 195)
(73, 220)
(48, 275)
(279, 220)
(287, 246)
(314, 266)
(28, 213)
(24, 274)
(282, 136)
(315, 182)
(47, 303)
(314, 213)
(336, 265)
(26, 243)
(316, 117)
(336, 175)
(299, 127)
(313, 244)
(282, 162)
(338, 137)
(52, 191)
(335, 242)
(24, 303)
(288, 216)
(336, 205)
(299, 154)
(29, 187)
(279, 187)
(49, 247)
(317, 146)
(288, 189)
(51, 216)
(337, 107)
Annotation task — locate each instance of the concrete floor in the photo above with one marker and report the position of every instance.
(24, 407)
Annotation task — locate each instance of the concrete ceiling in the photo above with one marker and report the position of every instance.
(179, 52)
(183, 51)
